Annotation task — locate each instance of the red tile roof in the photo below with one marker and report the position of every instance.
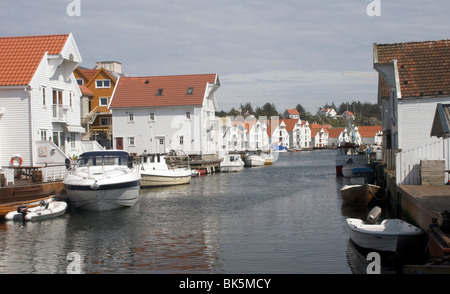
(290, 123)
(424, 67)
(85, 90)
(335, 132)
(20, 56)
(368, 131)
(293, 111)
(143, 91)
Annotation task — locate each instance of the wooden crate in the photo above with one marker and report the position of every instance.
(432, 172)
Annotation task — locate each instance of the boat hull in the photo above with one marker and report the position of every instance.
(391, 235)
(148, 180)
(231, 168)
(254, 160)
(359, 195)
(105, 198)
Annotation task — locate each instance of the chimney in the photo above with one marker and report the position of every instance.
(109, 65)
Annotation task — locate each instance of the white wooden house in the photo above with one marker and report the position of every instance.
(413, 79)
(278, 134)
(319, 136)
(39, 98)
(156, 114)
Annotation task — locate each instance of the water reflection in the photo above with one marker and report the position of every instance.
(284, 218)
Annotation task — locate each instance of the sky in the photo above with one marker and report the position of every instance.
(285, 52)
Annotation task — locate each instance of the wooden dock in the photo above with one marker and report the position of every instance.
(424, 203)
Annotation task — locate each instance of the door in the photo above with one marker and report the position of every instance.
(119, 143)
(160, 145)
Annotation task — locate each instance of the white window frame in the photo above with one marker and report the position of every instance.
(131, 141)
(102, 86)
(100, 101)
(131, 117)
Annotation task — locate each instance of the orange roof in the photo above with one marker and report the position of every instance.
(368, 131)
(85, 90)
(293, 111)
(143, 91)
(290, 123)
(20, 56)
(335, 132)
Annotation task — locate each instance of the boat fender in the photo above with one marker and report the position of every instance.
(16, 158)
(67, 161)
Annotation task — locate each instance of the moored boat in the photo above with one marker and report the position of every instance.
(389, 235)
(231, 163)
(44, 210)
(254, 158)
(358, 194)
(268, 157)
(349, 154)
(103, 180)
(155, 172)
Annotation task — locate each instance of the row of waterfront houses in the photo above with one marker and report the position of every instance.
(52, 108)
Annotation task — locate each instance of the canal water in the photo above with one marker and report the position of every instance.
(287, 218)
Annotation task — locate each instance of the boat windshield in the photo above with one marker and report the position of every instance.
(93, 159)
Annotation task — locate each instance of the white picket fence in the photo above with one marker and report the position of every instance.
(408, 162)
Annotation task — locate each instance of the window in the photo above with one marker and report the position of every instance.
(188, 115)
(103, 101)
(43, 135)
(80, 82)
(130, 141)
(70, 99)
(181, 140)
(130, 117)
(72, 140)
(190, 91)
(102, 84)
(159, 92)
(43, 95)
(104, 121)
(151, 116)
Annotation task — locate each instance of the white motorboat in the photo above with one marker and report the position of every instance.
(44, 211)
(389, 235)
(349, 154)
(268, 157)
(103, 180)
(254, 158)
(155, 172)
(231, 163)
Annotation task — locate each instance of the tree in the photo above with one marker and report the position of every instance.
(267, 109)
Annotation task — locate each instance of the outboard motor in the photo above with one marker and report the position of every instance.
(374, 215)
(23, 210)
(67, 162)
(130, 161)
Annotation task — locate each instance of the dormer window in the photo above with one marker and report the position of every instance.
(159, 92)
(190, 91)
(102, 84)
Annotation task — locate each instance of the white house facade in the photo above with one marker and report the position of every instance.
(157, 114)
(40, 98)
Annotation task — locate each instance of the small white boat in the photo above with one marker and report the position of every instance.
(155, 172)
(389, 235)
(231, 163)
(44, 211)
(268, 157)
(103, 180)
(254, 158)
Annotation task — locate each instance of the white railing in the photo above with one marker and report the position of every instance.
(407, 163)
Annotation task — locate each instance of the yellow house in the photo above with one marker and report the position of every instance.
(101, 82)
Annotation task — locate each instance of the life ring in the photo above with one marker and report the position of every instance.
(14, 160)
